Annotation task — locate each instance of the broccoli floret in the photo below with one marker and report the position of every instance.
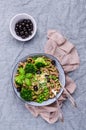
(28, 82)
(30, 68)
(29, 75)
(40, 62)
(26, 94)
(21, 71)
(19, 79)
(38, 65)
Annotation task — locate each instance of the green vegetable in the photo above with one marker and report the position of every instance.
(43, 96)
(27, 82)
(26, 94)
(40, 62)
(53, 77)
(34, 78)
(21, 71)
(30, 68)
(40, 98)
(29, 75)
(19, 79)
(44, 84)
(35, 57)
(38, 65)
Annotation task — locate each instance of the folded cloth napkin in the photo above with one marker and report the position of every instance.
(58, 46)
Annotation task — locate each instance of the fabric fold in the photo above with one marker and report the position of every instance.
(58, 46)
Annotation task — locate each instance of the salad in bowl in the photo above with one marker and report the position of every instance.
(34, 78)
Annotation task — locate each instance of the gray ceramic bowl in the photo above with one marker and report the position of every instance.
(61, 78)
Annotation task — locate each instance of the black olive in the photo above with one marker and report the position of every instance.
(23, 36)
(38, 72)
(26, 34)
(31, 28)
(27, 25)
(17, 33)
(47, 76)
(20, 26)
(53, 62)
(31, 24)
(17, 25)
(35, 88)
(25, 21)
(48, 79)
(19, 89)
(30, 33)
(16, 28)
(22, 33)
(24, 29)
(28, 21)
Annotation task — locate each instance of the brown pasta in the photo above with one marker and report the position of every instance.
(47, 78)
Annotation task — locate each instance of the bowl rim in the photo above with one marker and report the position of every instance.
(29, 17)
(47, 102)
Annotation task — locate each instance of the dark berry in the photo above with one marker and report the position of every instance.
(53, 62)
(35, 88)
(19, 89)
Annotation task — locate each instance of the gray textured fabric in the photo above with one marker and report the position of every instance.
(66, 16)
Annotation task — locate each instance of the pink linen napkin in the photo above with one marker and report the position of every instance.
(58, 46)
